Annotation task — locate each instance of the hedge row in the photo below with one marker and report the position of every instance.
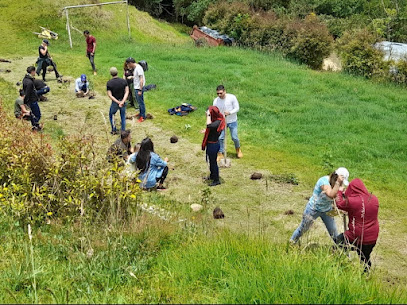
(307, 41)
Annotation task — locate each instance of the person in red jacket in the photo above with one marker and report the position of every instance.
(363, 227)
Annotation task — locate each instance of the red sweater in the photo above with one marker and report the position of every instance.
(362, 208)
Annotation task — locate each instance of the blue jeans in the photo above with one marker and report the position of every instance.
(233, 132)
(113, 109)
(308, 218)
(140, 101)
(43, 91)
(35, 113)
(212, 150)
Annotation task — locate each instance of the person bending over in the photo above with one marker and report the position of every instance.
(81, 86)
(44, 60)
(41, 89)
(121, 148)
(21, 110)
(321, 202)
(363, 227)
(152, 168)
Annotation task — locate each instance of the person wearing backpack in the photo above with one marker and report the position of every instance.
(139, 81)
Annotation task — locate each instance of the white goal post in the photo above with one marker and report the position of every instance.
(66, 8)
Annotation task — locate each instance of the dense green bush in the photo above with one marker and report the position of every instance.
(398, 73)
(312, 43)
(307, 41)
(358, 55)
(38, 183)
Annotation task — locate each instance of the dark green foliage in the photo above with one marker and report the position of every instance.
(358, 54)
(307, 41)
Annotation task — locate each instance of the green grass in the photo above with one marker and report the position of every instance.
(150, 262)
(293, 121)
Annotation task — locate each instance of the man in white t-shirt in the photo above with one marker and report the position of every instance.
(139, 81)
(228, 106)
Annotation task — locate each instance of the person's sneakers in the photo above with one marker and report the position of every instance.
(140, 120)
(161, 188)
(219, 157)
(95, 73)
(239, 153)
(214, 183)
(113, 132)
(207, 178)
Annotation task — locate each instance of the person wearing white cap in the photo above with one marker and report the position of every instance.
(321, 202)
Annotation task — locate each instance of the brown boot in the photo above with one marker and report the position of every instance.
(239, 153)
(219, 157)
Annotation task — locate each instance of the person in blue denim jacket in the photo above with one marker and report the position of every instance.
(152, 168)
(321, 202)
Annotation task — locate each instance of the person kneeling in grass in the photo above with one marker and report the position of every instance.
(81, 86)
(121, 148)
(363, 227)
(321, 202)
(152, 168)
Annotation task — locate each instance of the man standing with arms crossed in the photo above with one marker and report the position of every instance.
(139, 81)
(117, 90)
(228, 106)
(90, 49)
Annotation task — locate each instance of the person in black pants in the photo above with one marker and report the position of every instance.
(215, 123)
(45, 60)
(31, 98)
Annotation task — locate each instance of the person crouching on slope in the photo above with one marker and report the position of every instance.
(321, 202)
(363, 227)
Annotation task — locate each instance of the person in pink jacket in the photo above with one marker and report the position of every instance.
(363, 228)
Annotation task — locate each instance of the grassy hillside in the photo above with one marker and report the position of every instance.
(292, 121)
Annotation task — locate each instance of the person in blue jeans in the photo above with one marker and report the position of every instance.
(152, 168)
(117, 90)
(139, 81)
(31, 98)
(41, 88)
(229, 107)
(215, 124)
(321, 202)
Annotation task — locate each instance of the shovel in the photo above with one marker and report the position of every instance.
(225, 162)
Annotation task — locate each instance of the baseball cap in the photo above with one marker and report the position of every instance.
(130, 59)
(46, 41)
(113, 71)
(344, 172)
(83, 77)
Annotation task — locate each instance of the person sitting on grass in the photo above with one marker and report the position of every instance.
(121, 148)
(363, 227)
(81, 86)
(321, 202)
(152, 168)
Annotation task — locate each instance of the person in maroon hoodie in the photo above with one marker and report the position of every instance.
(363, 227)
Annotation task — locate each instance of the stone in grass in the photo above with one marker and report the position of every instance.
(174, 139)
(218, 213)
(256, 176)
(196, 207)
(289, 212)
(149, 116)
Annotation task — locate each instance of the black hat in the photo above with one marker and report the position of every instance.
(46, 41)
(130, 59)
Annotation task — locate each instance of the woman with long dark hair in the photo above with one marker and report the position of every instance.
(215, 123)
(152, 168)
(321, 202)
(363, 227)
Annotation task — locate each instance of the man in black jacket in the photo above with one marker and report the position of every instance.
(44, 60)
(31, 98)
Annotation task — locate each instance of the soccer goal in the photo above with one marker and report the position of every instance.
(67, 8)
